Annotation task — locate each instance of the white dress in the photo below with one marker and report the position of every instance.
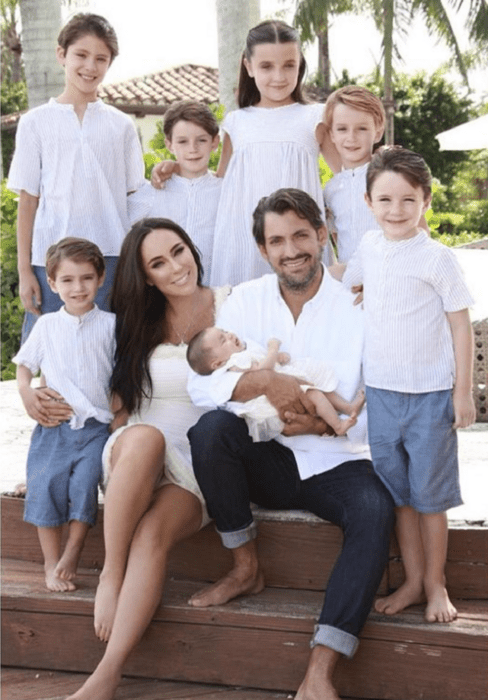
(271, 148)
(171, 411)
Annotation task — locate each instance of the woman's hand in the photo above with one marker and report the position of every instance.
(46, 406)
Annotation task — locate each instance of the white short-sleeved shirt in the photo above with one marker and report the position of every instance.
(329, 329)
(409, 287)
(344, 197)
(190, 203)
(81, 172)
(271, 148)
(75, 355)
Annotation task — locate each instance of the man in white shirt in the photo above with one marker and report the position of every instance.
(313, 315)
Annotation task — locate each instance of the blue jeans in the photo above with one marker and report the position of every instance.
(234, 471)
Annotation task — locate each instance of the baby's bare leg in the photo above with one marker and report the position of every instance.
(434, 531)
(327, 412)
(50, 541)
(68, 564)
(349, 408)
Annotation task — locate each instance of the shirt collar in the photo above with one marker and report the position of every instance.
(78, 320)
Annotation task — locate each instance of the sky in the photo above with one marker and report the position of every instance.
(152, 38)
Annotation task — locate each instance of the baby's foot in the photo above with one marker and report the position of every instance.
(343, 425)
(407, 594)
(358, 402)
(439, 607)
(106, 599)
(54, 582)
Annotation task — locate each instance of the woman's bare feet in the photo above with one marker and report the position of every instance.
(439, 607)
(54, 582)
(407, 594)
(106, 599)
(101, 685)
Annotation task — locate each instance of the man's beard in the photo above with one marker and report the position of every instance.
(294, 284)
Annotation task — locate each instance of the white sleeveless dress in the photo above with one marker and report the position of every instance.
(271, 148)
(171, 411)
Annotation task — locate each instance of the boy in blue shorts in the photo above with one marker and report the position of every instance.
(74, 349)
(418, 371)
(191, 196)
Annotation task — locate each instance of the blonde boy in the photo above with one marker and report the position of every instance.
(417, 369)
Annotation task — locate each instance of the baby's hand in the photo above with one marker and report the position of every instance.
(274, 344)
(283, 358)
(163, 171)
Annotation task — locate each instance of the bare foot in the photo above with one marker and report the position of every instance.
(344, 424)
(358, 402)
(101, 685)
(106, 599)
(227, 588)
(407, 594)
(55, 583)
(67, 565)
(317, 684)
(439, 607)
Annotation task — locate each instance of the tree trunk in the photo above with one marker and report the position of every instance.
(234, 19)
(41, 23)
(388, 11)
(324, 60)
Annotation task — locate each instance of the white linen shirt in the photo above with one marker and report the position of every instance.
(81, 172)
(409, 287)
(329, 329)
(190, 203)
(344, 197)
(75, 355)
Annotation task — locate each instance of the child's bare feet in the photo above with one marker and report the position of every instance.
(106, 599)
(54, 582)
(358, 402)
(439, 607)
(407, 594)
(101, 685)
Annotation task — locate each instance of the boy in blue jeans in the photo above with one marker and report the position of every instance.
(74, 349)
(418, 371)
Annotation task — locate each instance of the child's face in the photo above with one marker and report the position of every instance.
(354, 134)
(192, 146)
(397, 205)
(77, 284)
(222, 345)
(274, 68)
(85, 62)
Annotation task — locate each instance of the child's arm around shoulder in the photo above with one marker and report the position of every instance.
(327, 148)
(462, 396)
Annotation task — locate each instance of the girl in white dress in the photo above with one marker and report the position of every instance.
(152, 500)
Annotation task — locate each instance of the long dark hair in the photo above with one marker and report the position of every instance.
(267, 32)
(140, 310)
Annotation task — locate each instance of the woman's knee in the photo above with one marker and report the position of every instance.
(143, 445)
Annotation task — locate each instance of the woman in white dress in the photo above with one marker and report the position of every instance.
(152, 500)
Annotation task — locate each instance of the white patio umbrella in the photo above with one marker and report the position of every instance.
(465, 137)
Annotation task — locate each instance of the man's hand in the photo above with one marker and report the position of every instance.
(304, 424)
(285, 393)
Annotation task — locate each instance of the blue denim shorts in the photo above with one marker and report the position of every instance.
(414, 447)
(64, 467)
(51, 302)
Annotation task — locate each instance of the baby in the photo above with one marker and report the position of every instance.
(215, 351)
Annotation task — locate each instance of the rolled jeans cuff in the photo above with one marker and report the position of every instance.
(237, 538)
(335, 639)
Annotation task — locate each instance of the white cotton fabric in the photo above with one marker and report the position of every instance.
(329, 329)
(75, 354)
(409, 287)
(190, 203)
(344, 197)
(271, 148)
(81, 172)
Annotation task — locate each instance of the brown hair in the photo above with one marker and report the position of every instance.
(402, 161)
(85, 23)
(268, 32)
(199, 355)
(76, 249)
(190, 111)
(281, 201)
(358, 98)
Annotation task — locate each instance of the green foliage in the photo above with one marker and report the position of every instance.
(12, 311)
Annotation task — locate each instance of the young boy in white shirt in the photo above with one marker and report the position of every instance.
(417, 370)
(191, 196)
(74, 349)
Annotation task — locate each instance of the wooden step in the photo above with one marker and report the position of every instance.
(296, 550)
(256, 641)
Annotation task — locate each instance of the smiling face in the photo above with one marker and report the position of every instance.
(354, 134)
(397, 205)
(274, 68)
(221, 345)
(77, 284)
(192, 146)
(294, 249)
(168, 263)
(86, 62)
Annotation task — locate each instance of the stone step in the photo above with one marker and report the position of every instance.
(256, 641)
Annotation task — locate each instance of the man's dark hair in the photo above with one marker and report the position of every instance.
(281, 201)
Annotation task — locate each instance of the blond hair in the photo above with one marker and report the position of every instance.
(356, 97)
